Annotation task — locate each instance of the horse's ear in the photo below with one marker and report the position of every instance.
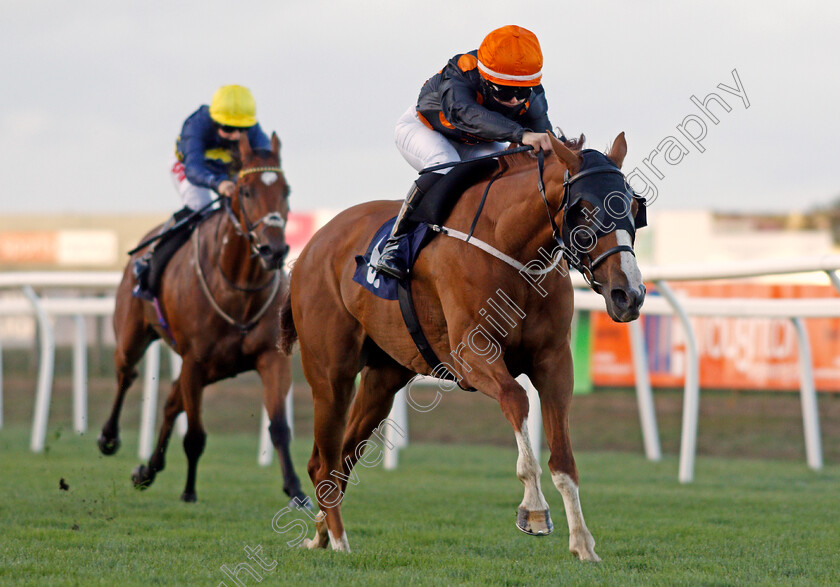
(275, 144)
(618, 150)
(245, 147)
(572, 160)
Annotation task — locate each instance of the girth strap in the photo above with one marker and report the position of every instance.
(416, 331)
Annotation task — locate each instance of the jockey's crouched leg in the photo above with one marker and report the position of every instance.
(142, 265)
(389, 261)
(431, 199)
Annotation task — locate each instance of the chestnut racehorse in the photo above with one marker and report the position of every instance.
(343, 328)
(218, 300)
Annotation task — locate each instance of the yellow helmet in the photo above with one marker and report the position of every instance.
(234, 106)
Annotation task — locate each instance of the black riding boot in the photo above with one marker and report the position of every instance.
(430, 199)
(141, 265)
(389, 262)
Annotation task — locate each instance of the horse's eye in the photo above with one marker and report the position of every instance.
(244, 192)
(584, 237)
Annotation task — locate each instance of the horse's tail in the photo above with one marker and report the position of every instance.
(288, 332)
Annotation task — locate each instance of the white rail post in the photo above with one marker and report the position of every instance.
(46, 364)
(691, 399)
(265, 452)
(393, 441)
(644, 394)
(80, 375)
(399, 414)
(808, 395)
(290, 410)
(835, 281)
(175, 363)
(151, 374)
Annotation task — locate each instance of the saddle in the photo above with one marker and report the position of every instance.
(433, 210)
(149, 269)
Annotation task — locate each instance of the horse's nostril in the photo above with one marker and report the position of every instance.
(639, 298)
(619, 298)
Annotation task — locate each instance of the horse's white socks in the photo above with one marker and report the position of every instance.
(580, 539)
(571, 500)
(528, 470)
(340, 544)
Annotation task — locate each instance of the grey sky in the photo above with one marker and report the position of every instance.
(94, 93)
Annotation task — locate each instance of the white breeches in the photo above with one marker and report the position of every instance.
(423, 147)
(192, 196)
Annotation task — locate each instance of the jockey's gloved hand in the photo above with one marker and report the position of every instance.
(226, 188)
(538, 140)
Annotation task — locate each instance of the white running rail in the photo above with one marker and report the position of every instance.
(46, 309)
(669, 304)
(795, 310)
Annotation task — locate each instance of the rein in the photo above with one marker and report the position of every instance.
(275, 283)
(223, 274)
(505, 153)
(270, 219)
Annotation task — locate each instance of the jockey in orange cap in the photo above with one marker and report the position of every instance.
(474, 106)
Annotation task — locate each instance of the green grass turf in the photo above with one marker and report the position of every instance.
(446, 516)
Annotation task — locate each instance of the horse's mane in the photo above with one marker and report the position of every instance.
(527, 157)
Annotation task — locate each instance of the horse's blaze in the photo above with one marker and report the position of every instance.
(537, 523)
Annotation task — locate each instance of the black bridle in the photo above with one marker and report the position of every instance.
(248, 231)
(581, 260)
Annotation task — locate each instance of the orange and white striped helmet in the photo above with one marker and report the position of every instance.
(511, 56)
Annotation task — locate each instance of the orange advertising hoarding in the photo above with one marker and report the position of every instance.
(35, 247)
(63, 248)
(735, 353)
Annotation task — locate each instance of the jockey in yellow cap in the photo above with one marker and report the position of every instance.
(208, 142)
(205, 152)
(474, 106)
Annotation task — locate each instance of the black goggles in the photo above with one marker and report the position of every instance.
(508, 93)
(231, 129)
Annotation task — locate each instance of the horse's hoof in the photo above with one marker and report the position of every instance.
(313, 544)
(582, 545)
(301, 502)
(142, 477)
(108, 446)
(536, 523)
(189, 497)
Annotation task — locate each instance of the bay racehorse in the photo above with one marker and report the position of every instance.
(217, 308)
(343, 328)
